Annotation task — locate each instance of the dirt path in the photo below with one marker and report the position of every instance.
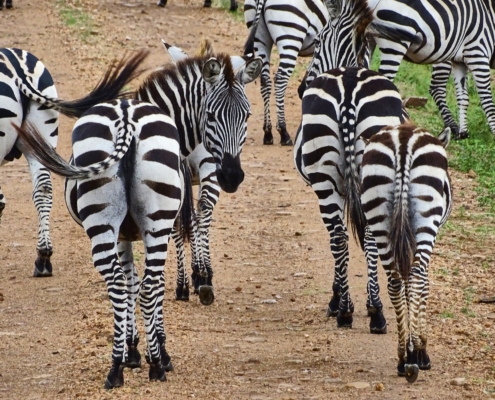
(267, 240)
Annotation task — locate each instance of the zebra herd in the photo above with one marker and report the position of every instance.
(136, 155)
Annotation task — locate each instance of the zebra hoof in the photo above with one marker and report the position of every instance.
(115, 377)
(333, 306)
(344, 320)
(268, 139)
(462, 135)
(133, 359)
(157, 372)
(161, 3)
(206, 295)
(378, 323)
(182, 293)
(411, 372)
(42, 267)
(9, 4)
(287, 142)
(232, 9)
(207, 4)
(165, 359)
(424, 362)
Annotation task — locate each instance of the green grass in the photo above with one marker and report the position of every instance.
(447, 314)
(476, 153)
(76, 19)
(238, 15)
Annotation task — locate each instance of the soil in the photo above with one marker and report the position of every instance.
(267, 243)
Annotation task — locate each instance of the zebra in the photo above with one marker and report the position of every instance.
(406, 197)
(422, 31)
(206, 4)
(8, 4)
(292, 27)
(205, 96)
(340, 109)
(125, 183)
(28, 95)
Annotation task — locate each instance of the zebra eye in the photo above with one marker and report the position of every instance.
(210, 116)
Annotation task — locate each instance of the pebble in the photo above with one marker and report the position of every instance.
(230, 302)
(137, 370)
(458, 381)
(379, 387)
(268, 301)
(358, 385)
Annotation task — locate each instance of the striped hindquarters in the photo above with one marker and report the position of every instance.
(405, 193)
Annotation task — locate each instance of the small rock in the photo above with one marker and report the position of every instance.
(238, 289)
(472, 174)
(298, 234)
(268, 301)
(230, 302)
(379, 387)
(415, 101)
(137, 370)
(127, 38)
(458, 381)
(294, 362)
(358, 385)
(299, 274)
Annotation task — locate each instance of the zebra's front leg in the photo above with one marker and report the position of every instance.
(481, 75)
(42, 197)
(438, 90)
(2, 204)
(340, 250)
(133, 358)
(285, 69)
(378, 323)
(266, 91)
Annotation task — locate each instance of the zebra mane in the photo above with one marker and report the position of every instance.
(205, 48)
(186, 66)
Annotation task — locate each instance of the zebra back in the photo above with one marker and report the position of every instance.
(394, 159)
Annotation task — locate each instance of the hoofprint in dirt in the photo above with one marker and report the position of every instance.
(268, 244)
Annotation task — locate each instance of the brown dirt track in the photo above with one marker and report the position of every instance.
(55, 332)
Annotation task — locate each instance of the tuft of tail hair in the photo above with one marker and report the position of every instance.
(36, 146)
(118, 75)
(402, 240)
(249, 45)
(381, 30)
(187, 209)
(352, 185)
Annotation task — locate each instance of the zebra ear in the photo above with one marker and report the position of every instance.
(444, 137)
(211, 70)
(176, 53)
(334, 7)
(250, 71)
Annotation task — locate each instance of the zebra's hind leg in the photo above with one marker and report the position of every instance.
(42, 197)
(281, 79)
(9, 4)
(460, 81)
(378, 323)
(480, 70)
(205, 211)
(2, 203)
(340, 250)
(161, 3)
(133, 358)
(182, 287)
(1, 4)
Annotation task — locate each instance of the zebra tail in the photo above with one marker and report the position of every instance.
(401, 237)
(395, 34)
(352, 185)
(249, 45)
(36, 146)
(187, 209)
(118, 75)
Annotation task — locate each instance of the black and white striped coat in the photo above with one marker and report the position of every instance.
(457, 35)
(406, 197)
(292, 27)
(28, 96)
(340, 109)
(125, 184)
(205, 96)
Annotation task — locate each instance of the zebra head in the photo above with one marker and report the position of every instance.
(226, 111)
(342, 42)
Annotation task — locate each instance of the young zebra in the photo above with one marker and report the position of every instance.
(466, 45)
(125, 183)
(340, 109)
(28, 96)
(292, 27)
(406, 198)
(205, 96)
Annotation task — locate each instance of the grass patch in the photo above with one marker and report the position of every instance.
(74, 17)
(447, 314)
(238, 15)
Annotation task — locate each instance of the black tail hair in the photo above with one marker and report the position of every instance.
(118, 75)
(187, 210)
(249, 45)
(380, 30)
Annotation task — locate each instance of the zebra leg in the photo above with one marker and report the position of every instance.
(205, 210)
(233, 5)
(9, 3)
(340, 250)
(42, 198)
(481, 75)
(438, 90)
(1, 4)
(182, 288)
(133, 359)
(2, 203)
(284, 71)
(397, 294)
(160, 330)
(460, 80)
(378, 323)
(207, 3)
(161, 3)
